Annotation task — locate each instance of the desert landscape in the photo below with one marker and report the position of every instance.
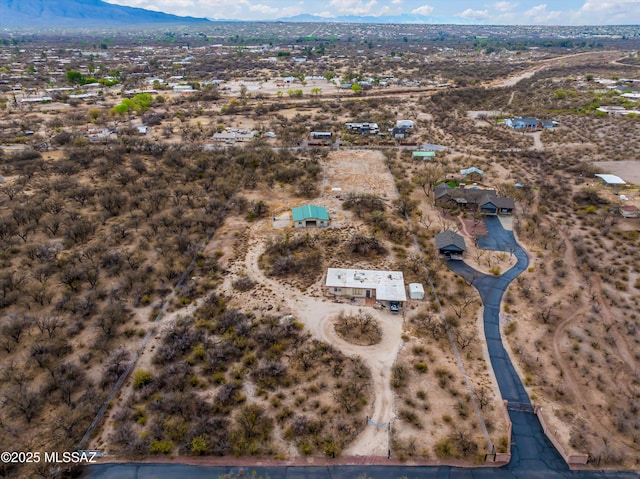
(165, 281)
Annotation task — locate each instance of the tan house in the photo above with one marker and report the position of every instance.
(362, 283)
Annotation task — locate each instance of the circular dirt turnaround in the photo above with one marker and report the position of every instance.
(361, 328)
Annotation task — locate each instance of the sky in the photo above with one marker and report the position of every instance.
(517, 12)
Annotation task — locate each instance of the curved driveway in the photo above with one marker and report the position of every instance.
(533, 455)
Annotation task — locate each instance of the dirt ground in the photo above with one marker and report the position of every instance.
(628, 170)
(358, 171)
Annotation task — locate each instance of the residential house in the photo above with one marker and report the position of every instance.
(363, 128)
(496, 205)
(406, 124)
(310, 215)
(233, 135)
(358, 283)
(450, 245)
(486, 201)
(399, 133)
(521, 123)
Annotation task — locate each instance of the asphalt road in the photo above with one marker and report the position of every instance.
(533, 455)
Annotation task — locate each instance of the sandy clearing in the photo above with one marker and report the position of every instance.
(359, 171)
(628, 170)
(317, 316)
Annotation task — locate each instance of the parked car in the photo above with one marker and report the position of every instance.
(394, 306)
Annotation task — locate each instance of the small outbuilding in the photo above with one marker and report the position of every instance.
(611, 180)
(310, 215)
(450, 245)
(423, 155)
(630, 211)
(416, 291)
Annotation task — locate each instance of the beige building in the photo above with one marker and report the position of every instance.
(361, 283)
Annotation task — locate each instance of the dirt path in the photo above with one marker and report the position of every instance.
(317, 316)
(569, 377)
(537, 141)
(512, 81)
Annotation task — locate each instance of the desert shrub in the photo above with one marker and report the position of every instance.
(160, 447)
(244, 284)
(410, 417)
(141, 378)
(443, 375)
(399, 376)
(361, 328)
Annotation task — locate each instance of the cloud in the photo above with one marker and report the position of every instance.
(425, 10)
(475, 14)
(541, 16)
(504, 6)
(609, 12)
(354, 7)
(396, 2)
(264, 9)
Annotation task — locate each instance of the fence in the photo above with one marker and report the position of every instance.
(552, 435)
(380, 425)
(505, 456)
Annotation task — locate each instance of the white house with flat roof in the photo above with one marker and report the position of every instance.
(363, 283)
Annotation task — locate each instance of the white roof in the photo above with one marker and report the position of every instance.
(416, 288)
(611, 179)
(389, 285)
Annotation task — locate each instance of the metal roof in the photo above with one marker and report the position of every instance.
(611, 179)
(306, 212)
(423, 154)
(473, 169)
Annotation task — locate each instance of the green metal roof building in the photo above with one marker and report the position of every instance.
(425, 155)
(310, 215)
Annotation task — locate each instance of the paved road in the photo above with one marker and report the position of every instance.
(533, 456)
(177, 471)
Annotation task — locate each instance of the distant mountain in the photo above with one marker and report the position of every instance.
(406, 18)
(79, 13)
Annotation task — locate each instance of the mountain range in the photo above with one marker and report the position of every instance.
(79, 13)
(57, 14)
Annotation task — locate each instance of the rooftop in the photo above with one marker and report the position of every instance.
(302, 213)
(449, 238)
(389, 285)
(611, 179)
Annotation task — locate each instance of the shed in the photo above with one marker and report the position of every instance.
(423, 155)
(611, 179)
(416, 291)
(450, 244)
(310, 215)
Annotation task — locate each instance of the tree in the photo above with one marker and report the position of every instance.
(405, 205)
(74, 77)
(355, 88)
(24, 401)
(427, 178)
